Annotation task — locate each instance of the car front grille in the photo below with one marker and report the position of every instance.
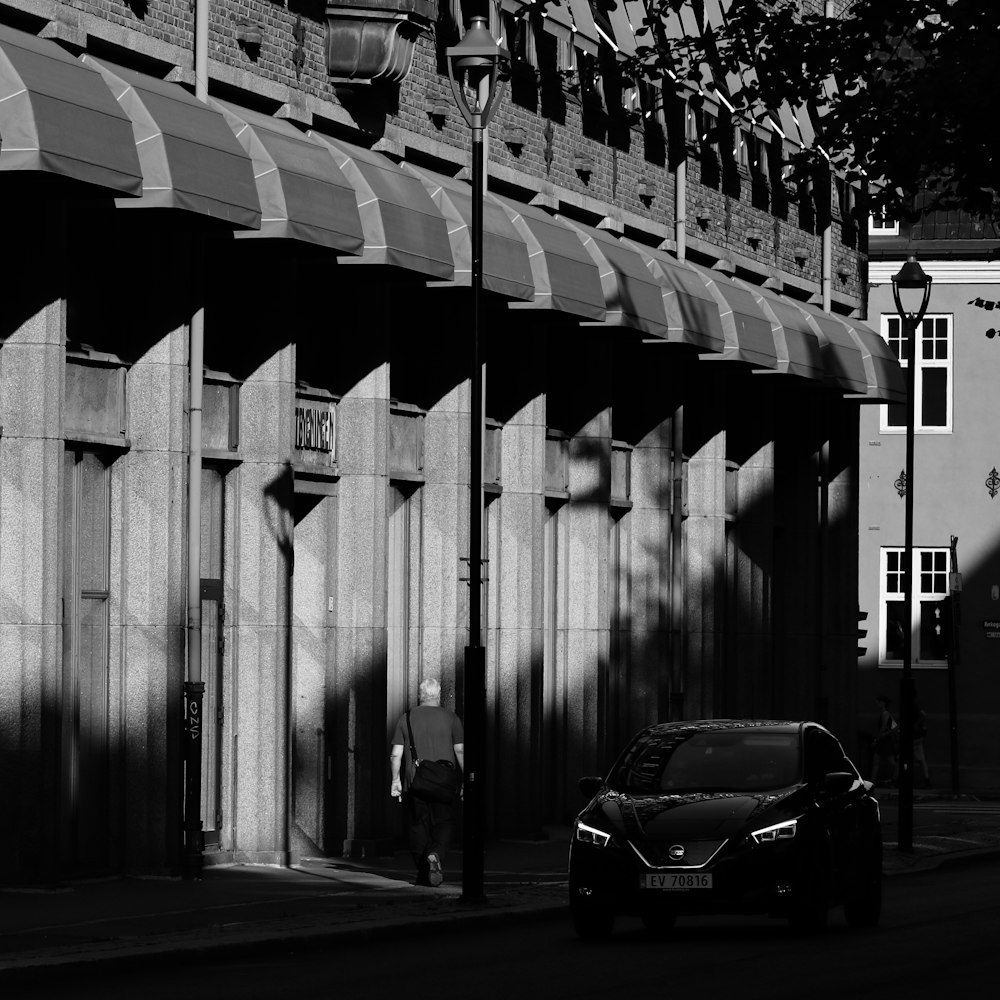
(697, 853)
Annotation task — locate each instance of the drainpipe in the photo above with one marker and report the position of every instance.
(676, 706)
(827, 269)
(828, 250)
(194, 686)
(680, 198)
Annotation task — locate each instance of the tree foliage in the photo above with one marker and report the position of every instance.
(900, 92)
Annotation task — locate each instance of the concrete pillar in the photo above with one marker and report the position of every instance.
(31, 456)
(146, 654)
(514, 619)
(361, 766)
(261, 625)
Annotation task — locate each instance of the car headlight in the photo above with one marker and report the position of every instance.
(591, 835)
(780, 831)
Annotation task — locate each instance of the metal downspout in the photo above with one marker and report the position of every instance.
(194, 686)
(676, 706)
(827, 271)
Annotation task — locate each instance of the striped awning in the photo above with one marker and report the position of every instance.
(506, 268)
(402, 225)
(303, 193)
(693, 315)
(886, 383)
(858, 361)
(58, 117)
(190, 158)
(564, 275)
(632, 296)
(748, 330)
(796, 341)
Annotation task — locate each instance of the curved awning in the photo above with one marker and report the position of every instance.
(796, 342)
(632, 296)
(692, 313)
(885, 380)
(749, 334)
(842, 357)
(402, 225)
(506, 268)
(564, 275)
(190, 158)
(58, 117)
(303, 194)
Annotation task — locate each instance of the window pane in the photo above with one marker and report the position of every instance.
(894, 572)
(934, 339)
(895, 414)
(934, 408)
(894, 630)
(894, 337)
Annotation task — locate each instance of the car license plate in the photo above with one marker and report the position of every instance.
(677, 881)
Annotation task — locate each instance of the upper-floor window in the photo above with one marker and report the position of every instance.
(881, 225)
(933, 380)
(929, 625)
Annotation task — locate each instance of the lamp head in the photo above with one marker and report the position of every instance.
(476, 57)
(912, 276)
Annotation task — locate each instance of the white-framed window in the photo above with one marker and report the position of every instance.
(933, 398)
(930, 625)
(881, 225)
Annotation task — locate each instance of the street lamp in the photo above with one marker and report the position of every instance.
(475, 64)
(913, 280)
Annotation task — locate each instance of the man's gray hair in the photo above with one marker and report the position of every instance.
(430, 689)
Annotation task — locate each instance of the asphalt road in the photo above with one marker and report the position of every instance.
(937, 938)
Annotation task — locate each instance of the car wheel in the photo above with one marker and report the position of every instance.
(592, 922)
(810, 908)
(863, 903)
(657, 921)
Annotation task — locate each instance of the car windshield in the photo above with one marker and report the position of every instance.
(725, 760)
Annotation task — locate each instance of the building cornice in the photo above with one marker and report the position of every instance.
(944, 272)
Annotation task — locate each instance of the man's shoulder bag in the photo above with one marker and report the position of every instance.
(433, 780)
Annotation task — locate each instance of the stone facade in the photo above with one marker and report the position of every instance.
(667, 536)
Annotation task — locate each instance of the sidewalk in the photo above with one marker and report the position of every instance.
(335, 901)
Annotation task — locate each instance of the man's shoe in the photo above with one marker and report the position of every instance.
(435, 875)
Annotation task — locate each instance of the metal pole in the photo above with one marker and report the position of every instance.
(905, 840)
(473, 859)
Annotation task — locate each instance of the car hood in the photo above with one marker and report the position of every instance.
(693, 816)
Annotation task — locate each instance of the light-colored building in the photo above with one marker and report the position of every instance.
(956, 498)
(674, 373)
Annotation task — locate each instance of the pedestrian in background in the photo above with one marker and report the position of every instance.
(885, 746)
(437, 735)
(921, 772)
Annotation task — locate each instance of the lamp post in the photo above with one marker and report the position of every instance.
(913, 279)
(474, 64)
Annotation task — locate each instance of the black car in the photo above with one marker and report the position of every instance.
(727, 816)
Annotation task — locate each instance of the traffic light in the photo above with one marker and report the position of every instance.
(862, 633)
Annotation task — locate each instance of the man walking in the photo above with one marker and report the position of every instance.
(437, 735)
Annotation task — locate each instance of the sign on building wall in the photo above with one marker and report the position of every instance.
(315, 431)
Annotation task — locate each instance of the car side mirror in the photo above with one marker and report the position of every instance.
(838, 782)
(590, 786)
